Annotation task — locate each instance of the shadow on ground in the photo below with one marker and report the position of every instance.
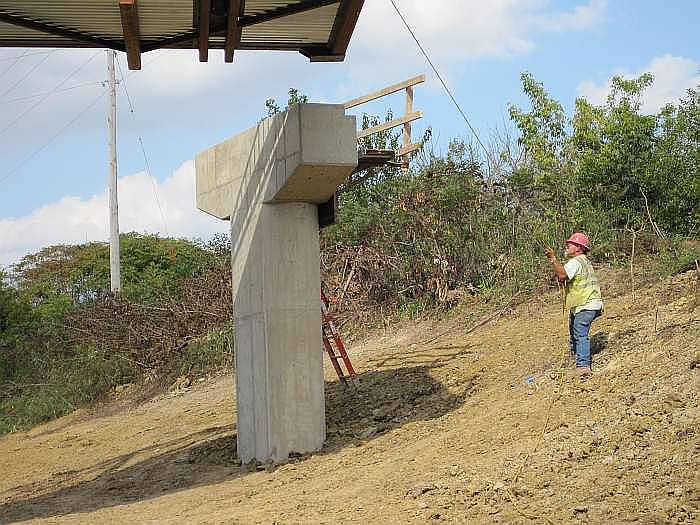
(599, 342)
(384, 400)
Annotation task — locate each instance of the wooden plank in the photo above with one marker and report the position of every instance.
(132, 34)
(233, 30)
(407, 126)
(320, 54)
(405, 150)
(388, 125)
(204, 12)
(386, 91)
(344, 26)
(408, 111)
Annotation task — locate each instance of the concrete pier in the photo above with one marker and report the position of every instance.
(268, 181)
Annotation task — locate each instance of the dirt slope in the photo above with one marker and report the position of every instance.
(435, 433)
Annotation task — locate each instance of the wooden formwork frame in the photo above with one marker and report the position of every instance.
(407, 146)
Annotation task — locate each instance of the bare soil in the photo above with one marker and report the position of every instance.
(436, 432)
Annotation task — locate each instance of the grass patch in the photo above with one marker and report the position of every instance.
(49, 390)
(209, 354)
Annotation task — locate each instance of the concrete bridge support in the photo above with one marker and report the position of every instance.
(268, 181)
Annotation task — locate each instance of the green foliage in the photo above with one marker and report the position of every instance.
(611, 163)
(543, 130)
(46, 387)
(45, 369)
(61, 277)
(211, 353)
(447, 225)
(151, 265)
(17, 320)
(675, 173)
(676, 258)
(295, 98)
(614, 153)
(437, 228)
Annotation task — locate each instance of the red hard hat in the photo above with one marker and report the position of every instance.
(579, 239)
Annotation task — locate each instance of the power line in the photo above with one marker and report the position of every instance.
(444, 85)
(143, 149)
(123, 80)
(22, 79)
(16, 60)
(54, 137)
(54, 90)
(25, 54)
(153, 184)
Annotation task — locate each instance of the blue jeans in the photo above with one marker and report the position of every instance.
(579, 343)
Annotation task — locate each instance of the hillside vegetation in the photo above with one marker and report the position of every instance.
(464, 227)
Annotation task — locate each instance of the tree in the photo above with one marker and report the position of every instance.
(296, 97)
(542, 181)
(631, 166)
(676, 168)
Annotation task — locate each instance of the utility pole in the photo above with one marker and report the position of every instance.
(114, 271)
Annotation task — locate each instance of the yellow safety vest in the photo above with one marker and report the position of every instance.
(583, 287)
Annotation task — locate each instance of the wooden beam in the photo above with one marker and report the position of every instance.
(132, 34)
(386, 91)
(388, 125)
(189, 39)
(405, 150)
(233, 30)
(280, 12)
(204, 12)
(408, 111)
(319, 53)
(344, 26)
(71, 34)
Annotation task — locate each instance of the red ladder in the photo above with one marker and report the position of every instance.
(332, 337)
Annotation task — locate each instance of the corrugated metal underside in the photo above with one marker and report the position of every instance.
(159, 20)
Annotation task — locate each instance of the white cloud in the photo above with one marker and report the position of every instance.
(458, 30)
(74, 220)
(672, 78)
(453, 32)
(582, 17)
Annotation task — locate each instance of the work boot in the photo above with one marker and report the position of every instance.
(583, 371)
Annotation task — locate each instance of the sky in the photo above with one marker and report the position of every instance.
(53, 103)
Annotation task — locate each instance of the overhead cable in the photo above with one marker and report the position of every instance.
(54, 90)
(16, 61)
(25, 54)
(53, 137)
(444, 85)
(143, 149)
(27, 74)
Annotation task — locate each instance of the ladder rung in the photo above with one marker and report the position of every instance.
(334, 346)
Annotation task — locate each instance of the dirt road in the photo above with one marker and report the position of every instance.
(435, 433)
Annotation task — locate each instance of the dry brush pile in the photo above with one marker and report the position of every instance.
(153, 335)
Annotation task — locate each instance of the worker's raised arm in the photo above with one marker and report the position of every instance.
(556, 265)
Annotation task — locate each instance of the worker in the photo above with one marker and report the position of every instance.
(583, 303)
